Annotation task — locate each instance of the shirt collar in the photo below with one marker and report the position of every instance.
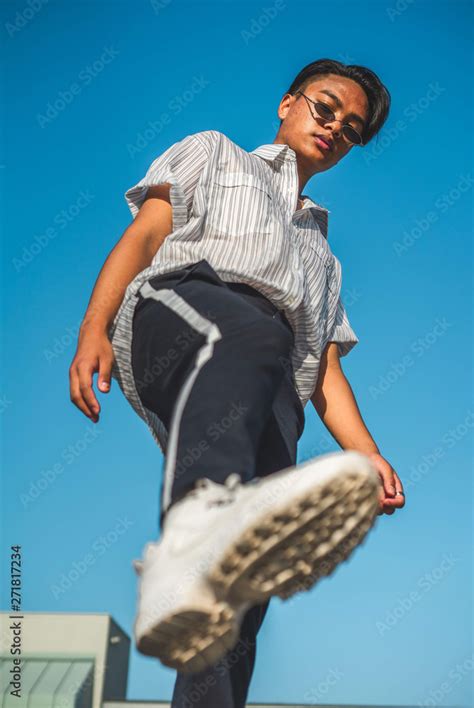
(272, 152)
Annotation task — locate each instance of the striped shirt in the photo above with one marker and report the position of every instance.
(238, 210)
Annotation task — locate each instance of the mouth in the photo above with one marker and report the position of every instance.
(324, 143)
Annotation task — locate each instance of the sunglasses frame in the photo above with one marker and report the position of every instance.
(327, 117)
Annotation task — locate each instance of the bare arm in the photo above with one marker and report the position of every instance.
(337, 407)
(132, 254)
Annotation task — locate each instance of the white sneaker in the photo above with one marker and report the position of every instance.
(225, 547)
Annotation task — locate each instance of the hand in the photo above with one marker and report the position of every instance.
(389, 500)
(94, 353)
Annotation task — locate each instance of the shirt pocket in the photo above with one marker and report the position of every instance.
(240, 204)
(326, 259)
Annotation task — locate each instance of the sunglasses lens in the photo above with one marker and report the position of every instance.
(351, 134)
(324, 111)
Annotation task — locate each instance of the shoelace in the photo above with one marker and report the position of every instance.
(222, 493)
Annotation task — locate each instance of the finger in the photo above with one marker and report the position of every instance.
(385, 508)
(105, 370)
(386, 473)
(76, 395)
(399, 488)
(381, 495)
(396, 502)
(381, 499)
(85, 385)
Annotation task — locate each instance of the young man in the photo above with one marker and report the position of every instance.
(220, 315)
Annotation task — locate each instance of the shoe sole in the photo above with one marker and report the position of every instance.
(282, 553)
(289, 550)
(191, 640)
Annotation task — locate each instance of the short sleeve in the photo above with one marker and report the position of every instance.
(342, 332)
(181, 166)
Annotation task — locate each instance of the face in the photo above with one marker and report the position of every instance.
(299, 128)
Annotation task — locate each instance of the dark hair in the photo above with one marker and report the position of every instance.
(377, 94)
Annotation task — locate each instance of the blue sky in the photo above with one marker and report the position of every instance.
(95, 92)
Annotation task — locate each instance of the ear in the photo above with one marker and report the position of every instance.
(285, 105)
(137, 566)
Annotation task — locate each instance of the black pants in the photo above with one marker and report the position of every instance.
(212, 360)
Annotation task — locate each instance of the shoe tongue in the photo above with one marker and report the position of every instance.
(205, 490)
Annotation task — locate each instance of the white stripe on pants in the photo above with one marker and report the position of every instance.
(212, 333)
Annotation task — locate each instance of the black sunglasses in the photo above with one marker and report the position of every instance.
(323, 111)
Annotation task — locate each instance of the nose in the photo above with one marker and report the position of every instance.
(336, 130)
